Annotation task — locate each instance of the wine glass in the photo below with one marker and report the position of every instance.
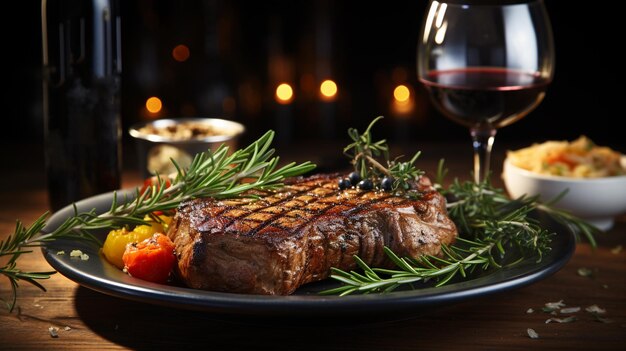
(486, 64)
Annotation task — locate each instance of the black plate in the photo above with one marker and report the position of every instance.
(97, 274)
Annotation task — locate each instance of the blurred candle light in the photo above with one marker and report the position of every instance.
(284, 93)
(403, 102)
(180, 53)
(154, 105)
(402, 106)
(328, 90)
(401, 93)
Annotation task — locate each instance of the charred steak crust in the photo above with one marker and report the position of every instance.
(287, 238)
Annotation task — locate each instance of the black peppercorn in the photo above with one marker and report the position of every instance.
(354, 177)
(365, 184)
(344, 183)
(386, 183)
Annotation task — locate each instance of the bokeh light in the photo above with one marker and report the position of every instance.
(284, 93)
(328, 88)
(401, 93)
(154, 104)
(180, 53)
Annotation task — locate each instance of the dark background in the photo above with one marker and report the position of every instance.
(372, 48)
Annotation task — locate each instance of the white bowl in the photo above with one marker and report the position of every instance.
(596, 200)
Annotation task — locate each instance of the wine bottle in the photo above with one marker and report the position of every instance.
(81, 42)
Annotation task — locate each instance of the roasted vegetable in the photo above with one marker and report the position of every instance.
(151, 259)
(116, 241)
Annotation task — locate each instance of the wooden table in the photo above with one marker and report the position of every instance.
(95, 321)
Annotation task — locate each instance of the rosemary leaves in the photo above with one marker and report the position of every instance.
(494, 230)
(218, 174)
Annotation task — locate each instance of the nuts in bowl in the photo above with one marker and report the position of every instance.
(160, 141)
(593, 176)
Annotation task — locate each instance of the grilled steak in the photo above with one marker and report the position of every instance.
(293, 236)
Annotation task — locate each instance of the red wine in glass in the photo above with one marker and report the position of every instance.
(486, 64)
(485, 96)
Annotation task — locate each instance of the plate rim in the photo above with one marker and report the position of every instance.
(407, 302)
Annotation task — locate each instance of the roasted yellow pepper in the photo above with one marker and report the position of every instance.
(117, 239)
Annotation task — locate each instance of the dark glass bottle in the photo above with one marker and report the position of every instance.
(81, 98)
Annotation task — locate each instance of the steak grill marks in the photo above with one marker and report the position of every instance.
(280, 240)
(296, 205)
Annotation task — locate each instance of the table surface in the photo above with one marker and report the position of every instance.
(89, 320)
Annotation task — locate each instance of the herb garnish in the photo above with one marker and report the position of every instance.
(495, 231)
(211, 174)
(391, 175)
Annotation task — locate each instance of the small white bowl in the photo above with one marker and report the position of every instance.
(596, 200)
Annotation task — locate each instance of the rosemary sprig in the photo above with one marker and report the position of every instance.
(216, 173)
(461, 260)
(363, 151)
(495, 231)
(364, 154)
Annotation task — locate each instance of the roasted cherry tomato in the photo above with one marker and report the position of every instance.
(151, 259)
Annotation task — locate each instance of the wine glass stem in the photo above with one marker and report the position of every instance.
(483, 138)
